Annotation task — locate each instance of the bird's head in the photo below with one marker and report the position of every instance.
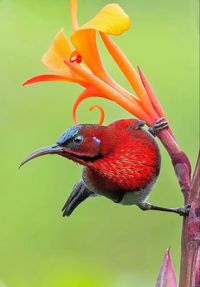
(81, 143)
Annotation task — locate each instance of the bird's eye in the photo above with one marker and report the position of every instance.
(78, 139)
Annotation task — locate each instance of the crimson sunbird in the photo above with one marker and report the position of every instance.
(121, 162)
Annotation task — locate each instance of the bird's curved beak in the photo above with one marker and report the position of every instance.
(52, 149)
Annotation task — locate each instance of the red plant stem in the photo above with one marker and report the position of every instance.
(190, 269)
(197, 268)
(179, 159)
(190, 245)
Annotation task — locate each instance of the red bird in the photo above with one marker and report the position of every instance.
(121, 162)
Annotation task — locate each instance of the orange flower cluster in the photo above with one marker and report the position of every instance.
(83, 65)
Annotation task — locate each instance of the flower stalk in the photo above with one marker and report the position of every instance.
(190, 245)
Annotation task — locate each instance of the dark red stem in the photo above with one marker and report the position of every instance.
(190, 245)
(179, 159)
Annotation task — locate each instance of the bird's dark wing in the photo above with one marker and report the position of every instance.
(79, 193)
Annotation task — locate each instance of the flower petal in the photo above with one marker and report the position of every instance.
(131, 75)
(110, 93)
(73, 13)
(85, 43)
(153, 98)
(50, 77)
(112, 20)
(59, 51)
(167, 276)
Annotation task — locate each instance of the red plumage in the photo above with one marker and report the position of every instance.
(130, 161)
(131, 164)
(121, 161)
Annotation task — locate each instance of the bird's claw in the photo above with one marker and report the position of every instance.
(159, 125)
(184, 211)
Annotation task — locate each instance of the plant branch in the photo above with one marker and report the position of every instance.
(179, 159)
(190, 245)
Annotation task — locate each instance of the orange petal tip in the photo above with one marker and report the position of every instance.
(47, 78)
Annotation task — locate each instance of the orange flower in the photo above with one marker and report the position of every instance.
(67, 65)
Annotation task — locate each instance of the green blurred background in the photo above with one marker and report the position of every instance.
(101, 244)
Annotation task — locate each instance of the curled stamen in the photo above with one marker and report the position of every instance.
(75, 57)
(87, 93)
(102, 113)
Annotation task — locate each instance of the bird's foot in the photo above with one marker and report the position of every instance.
(183, 211)
(159, 125)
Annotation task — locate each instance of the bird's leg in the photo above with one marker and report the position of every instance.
(78, 194)
(183, 211)
(159, 125)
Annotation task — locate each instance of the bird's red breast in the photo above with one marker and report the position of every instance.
(132, 163)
